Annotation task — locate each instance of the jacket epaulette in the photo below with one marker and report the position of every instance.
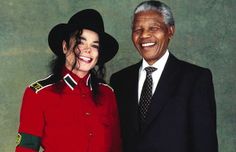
(104, 84)
(42, 83)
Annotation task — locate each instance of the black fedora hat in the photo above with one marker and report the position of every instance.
(85, 19)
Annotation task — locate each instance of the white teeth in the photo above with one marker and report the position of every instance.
(147, 44)
(85, 58)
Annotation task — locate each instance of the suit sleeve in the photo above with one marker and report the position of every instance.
(203, 115)
(31, 123)
(112, 81)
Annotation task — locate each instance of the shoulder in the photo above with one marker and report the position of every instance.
(105, 87)
(194, 69)
(187, 67)
(106, 93)
(37, 93)
(41, 84)
(190, 72)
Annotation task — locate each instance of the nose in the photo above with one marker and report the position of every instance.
(85, 48)
(145, 34)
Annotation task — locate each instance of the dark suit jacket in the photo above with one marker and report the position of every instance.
(182, 115)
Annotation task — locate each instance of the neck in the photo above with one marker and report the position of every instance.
(79, 73)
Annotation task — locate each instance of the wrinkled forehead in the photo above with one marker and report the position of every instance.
(148, 17)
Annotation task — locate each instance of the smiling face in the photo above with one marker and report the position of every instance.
(83, 55)
(151, 35)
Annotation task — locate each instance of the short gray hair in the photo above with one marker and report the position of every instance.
(157, 6)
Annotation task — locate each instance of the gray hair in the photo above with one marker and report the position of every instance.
(159, 7)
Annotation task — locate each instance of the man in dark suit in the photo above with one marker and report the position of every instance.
(180, 113)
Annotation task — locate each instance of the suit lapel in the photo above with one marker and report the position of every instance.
(132, 90)
(164, 90)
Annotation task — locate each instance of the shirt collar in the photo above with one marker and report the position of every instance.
(158, 64)
(73, 80)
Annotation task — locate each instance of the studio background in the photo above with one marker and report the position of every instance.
(205, 35)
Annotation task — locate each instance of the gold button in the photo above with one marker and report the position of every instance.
(87, 113)
(90, 134)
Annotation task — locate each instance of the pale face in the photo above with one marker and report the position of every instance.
(85, 54)
(151, 35)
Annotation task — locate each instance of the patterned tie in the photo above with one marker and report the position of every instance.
(146, 93)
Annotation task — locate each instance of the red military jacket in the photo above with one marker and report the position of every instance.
(68, 121)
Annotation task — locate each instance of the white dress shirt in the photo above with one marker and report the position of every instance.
(159, 64)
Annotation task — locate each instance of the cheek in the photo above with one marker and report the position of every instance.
(70, 58)
(162, 35)
(95, 55)
(135, 39)
(159, 35)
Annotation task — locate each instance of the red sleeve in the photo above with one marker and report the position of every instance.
(22, 149)
(31, 120)
(116, 142)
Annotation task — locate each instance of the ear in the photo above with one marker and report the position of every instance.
(64, 47)
(171, 31)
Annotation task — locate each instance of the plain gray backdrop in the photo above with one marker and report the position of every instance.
(205, 35)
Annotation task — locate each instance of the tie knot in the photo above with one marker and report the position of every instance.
(149, 70)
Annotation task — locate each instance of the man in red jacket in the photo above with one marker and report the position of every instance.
(73, 110)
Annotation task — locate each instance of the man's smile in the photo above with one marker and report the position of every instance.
(148, 44)
(85, 59)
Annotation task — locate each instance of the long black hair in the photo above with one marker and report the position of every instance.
(58, 63)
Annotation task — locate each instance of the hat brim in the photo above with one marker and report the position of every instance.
(107, 49)
(57, 35)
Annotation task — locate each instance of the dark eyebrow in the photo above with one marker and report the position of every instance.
(82, 38)
(155, 24)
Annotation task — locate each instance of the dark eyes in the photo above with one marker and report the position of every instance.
(95, 46)
(150, 29)
(155, 28)
(137, 30)
(82, 42)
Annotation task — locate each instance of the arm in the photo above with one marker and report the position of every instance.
(203, 115)
(31, 123)
(116, 142)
